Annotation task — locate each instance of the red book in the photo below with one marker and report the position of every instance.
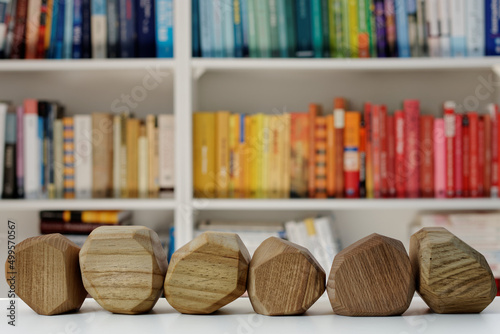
(362, 160)
(411, 116)
(439, 158)
(449, 128)
(368, 148)
(493, 111)
(426, 167)
(311, 170)
(458, 162)
(400, 157)
(339, 123)
(473, 145)
(391, 157)
(376, 150)
(466, 156)
(384, 187)
(351, 154)
(40, 46)
(19, 40)
(487, 155)
(480, 156)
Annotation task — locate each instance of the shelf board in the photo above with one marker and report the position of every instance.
(345, 204)
(88, 204)
(201, 65)
(37, 65)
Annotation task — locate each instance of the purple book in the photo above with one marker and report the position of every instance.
(380, 29)
(20, 153)
(390, 28)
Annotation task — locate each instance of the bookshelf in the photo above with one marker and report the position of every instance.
(247, 86)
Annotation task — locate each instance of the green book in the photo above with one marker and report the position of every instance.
(363, 34)
(326, 27)
(273, 26)
(252, 30)
(263, 28)
(345, 50)
(317, 28)
(372, 31)
(290, 24)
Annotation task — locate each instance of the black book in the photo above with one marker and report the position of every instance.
(9, 176)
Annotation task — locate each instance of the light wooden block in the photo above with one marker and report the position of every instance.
(371, 277)
(47, 275)
(207, 273)
(123, 268)
(451, 276)
(284, 278)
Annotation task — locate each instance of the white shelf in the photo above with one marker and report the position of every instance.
(37, 65)
(345, 204)
(88, 204)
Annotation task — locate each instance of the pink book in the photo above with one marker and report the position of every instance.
(399, 151)
(492, 109)
(20, 152)
(457, 167)
(384, 185)
(449, 124)
(439, 158)
(411, 121)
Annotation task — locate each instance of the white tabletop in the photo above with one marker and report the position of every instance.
(238, 317)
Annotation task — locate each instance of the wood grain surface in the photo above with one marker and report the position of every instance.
(47, 275)
(371, 277)
(123, 268)
(284, 278)
(451, 276)
(207, 273)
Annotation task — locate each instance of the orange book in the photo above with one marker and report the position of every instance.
(351, 153)
(314, 111)
(368, 150)
(339, 125)
(285, 154)
(299, 153)
(330, 156)
(320, 157)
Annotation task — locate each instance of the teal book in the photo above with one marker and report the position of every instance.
(282, 29)
(273, 25)
(317, 28)
(263, 28)
(217, 28)
(290, 27)
(325, 18)
(252, 29)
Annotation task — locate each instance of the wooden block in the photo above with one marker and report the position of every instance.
(284, 278)
(207, 273)
(371, 277)
(450, 276)
(47, 275)
(123, 268)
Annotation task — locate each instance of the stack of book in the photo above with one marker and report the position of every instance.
(347, 153)
(345, 28)
(77, 225)
(44, 154)
(86, 29)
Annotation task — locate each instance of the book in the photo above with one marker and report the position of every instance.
(314, 111)
(54, 113)
(83, 156)
(5, 6)
(20, 152)
(102, 155)
(32, 25)
(153, 154)
(384, 187)
(49, 24)
(128, 33)
(32, 157)
(368, 147)
(362, 160)
(58, 147)
(411, 116)
(320, 159)
(117, 138)
(390, 26)
(439, 158)
(304, 29)
(351, 154)
(493, 112)
(487, 154)
(263, 156)
(195, 27)
(473, 155)
(286, 148)
(402, 28)
(86, 29)
(221, 153)
(363, 29)
(458, 162)
(400, 154)
(352, 18)
(458, 26)
(253, 48)
(166, 135)
(422, 49)
(481, 156)
(263, 28)
(339, 105)
(317, 27)
(391, 156)
(245, 27)
(227, 28)
(299, 154)
(234, 169)
(475, 26)
(57, 42)
(77, 29)
(238, 29)
(206, 34)
(339, 41)
(143, 163)
(426, 166)
(68, 30)
(145, 28)
(330, 156)
(204, 154)
(18, 48)
(3, 143)
(42, 27)
(108, 217)
(444, 27)
(466, 155)
(377, 150)
(433, 32)
(273, 28)
(49, 227)
(491, 20)
(449, 124)
(124, 190)
(69, 158)
(133, 127)
(98, 28)
(42, 151)
(325, 28)
(412, 28)
(113, 27)
(380, 24)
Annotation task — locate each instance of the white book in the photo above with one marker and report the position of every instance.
(32, 177)
(143, 167)
(433, 40)
(457, 10)
(3, 116)
(323, 226)
(444, 28)
(98, 28)
(421, 28)
(474, 27)
(58, 158)
(83, 156)
(166, 151)
(117, 138)
(290, 230)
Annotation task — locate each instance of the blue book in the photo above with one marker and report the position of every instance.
(273, 28)
(244, 23)
(53, 31)
(77, 29)
(195, 17)
(86, 41)
(206, 33)
(303, 28)
(164, 29)
(113, 25)
(171, 243)
(127, 29)
(60, 30)
(492, 33)
(49, 135)
(402, 38)
(227, 27)
(68, 30)
(217, 28)
(475, 26)
(42, 120)
(145, 28)
(238, 29)
(317, 28)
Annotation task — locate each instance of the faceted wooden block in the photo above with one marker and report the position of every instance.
(45, 274)
(123, 268)
(284, 278)
(451, 276)
(371, 277)
(207, 273)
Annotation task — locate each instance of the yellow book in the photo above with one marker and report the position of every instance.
(204, 154)
(132, 157)
(353, 28)
(273, 176)
(234, 155)
(266, 152)
(247, 157)
(285, 153)
(257, 138)
(153, 163)
(222, 153)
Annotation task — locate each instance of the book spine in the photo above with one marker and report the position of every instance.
(362, 160)
(127, 28)
(9, 29)
(376, 149)
(112, 28)
(422, 29)
(31, 150)
(195, 26)
(69, 157)
(487, 155)
(102, 155)
(384, 187)
(86, 29)
(449, 125)
(273, 28)
(98, 28)
(124, 191)
(244, 26)
(240, 169)
(433, 39)
(481, 149)
(458, 163)
(263, 28)
(390, 25)
(216, 29)
(32, 25)
(303, 29)
(439, 158)
(372, 31)
(253, 48)
(132, 140)
(256, 140)
(330, 156)
(282, 28)
(233, 169)
(325, 28)
(49, 24)
(320, 146)
(368, 147)
(412, 27)
(19, 33)
(222, 153)
(286, 156)
(40, 44)
(145, 28)
(339, 124)
(363, 33)
(380, 24)
(20, 152)
(166, 133)
(83, 156)
(391, 156)
(8, 122)
(427, 156)
(475, 26)
(400, 154)
(351, 154)
(117, 134)
(238, 29)
(466, 155)
(143, 166)
(59, 32)
(493, 112)
(411, 115)
(58, 159)
(474, 159)
(444, 27)
(352, 17)
(458, 40)
(341, 40)
(250, 154)
(497, 138)
(76, 51)
(313, 113)
(42, 136)
(68, 29)
(153, 162)
(5, 9)
(227, 28)
(402, 28)
(49, 149)
(317, 27)
(205, 26)
(492, 20)
(291, 14)
(299, 153)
